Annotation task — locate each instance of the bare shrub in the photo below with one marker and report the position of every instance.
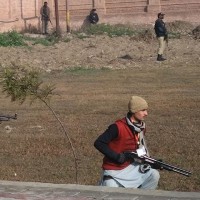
(181, 27)
(144, 35)
(196, 32)
(30, 29)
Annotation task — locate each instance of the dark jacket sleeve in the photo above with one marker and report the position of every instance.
(103, 140)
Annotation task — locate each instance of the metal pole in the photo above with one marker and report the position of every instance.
(93, 4)
(67, 17)
(57, 17)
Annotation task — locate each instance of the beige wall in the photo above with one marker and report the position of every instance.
(21, 14)
(18, 14)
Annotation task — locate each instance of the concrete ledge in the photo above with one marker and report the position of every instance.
(95, 191)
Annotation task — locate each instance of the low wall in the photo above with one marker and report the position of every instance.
(25, 14)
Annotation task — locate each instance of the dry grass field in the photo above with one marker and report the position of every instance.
(87, 100)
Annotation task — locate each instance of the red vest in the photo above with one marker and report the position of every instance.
(126, 141)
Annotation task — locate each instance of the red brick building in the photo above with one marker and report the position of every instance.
(21, 14)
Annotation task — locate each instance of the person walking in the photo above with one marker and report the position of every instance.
(161, 34)
(45, 17)
(127, 135)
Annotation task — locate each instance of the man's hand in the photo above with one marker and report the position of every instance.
(123, 157)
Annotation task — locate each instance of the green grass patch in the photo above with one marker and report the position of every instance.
(11, 38)
(43, 41)
(47, 41)
(110, 30)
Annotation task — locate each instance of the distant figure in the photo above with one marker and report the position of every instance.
(45, 17)
(161, 34)
(93, 17)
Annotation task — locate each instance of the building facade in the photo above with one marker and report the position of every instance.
(25, 14)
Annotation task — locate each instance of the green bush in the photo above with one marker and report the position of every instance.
(47, 41)
(110, 30)
(11, 38)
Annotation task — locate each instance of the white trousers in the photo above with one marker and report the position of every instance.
(131, 177)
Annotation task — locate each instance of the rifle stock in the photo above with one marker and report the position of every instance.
(162, 165)
(166, 38)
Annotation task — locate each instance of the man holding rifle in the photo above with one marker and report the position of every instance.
(126, 161)
(45, 17)
(127, 135)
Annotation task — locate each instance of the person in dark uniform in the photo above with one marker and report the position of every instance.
(161, 34)
(93, 17)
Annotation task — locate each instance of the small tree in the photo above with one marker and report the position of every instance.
(20, 83)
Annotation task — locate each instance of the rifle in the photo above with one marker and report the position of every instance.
(50, 21)
(7, 117)
(166, 38)
(158, 163)
(47, 18)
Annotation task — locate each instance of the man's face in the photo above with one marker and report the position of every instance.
(140, 115)
(161, 16)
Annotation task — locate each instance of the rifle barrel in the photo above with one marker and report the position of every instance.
(176, 170)
(7, 117)
(182, 172)
(167, 165)
(3, 118)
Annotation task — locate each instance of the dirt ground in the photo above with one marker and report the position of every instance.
(90, 97)
(104, 52)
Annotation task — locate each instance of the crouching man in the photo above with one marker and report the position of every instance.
(126, 134)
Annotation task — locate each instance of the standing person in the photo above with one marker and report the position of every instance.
(93, 17)
(161, 34)
(126, 134)
(45, 17)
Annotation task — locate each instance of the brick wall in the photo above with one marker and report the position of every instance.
(114, 7)
(5, 10)
(20, 14)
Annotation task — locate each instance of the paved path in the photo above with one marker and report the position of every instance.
(45, 191)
